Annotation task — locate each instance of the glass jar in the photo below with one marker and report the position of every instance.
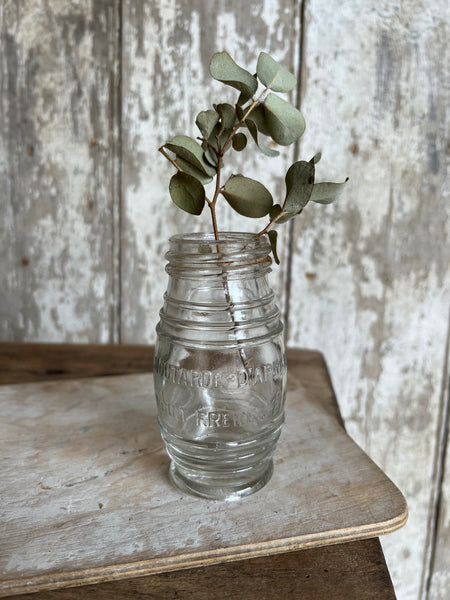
(220, 365)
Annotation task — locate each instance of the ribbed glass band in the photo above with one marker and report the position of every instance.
(201, 252)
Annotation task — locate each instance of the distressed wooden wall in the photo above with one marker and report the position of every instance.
(91, 88)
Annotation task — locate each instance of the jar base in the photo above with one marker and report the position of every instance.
(205, 488)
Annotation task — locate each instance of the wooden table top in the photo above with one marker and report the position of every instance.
(351, 570)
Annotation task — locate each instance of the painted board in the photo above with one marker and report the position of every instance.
(167, 47)
(85, 495)
(371, 274)
(59, 151)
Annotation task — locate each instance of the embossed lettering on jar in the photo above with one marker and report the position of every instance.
(220, 366)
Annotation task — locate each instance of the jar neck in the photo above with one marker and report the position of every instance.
(236, 254)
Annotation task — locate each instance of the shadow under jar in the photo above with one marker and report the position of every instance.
(220, 365)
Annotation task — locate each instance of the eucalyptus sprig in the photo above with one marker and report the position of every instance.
(262, 114)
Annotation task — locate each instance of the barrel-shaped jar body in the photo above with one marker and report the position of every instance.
(220, 366)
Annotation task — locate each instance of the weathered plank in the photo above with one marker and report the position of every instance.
(85, 495)
(353, 571)
(166, 50)
(375, 267)
(58, 167)
(20, 363)
(438, 584)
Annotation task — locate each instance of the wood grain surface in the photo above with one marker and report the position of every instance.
(20, 363)
(166, 82)
(351, 570)
(109, 511)
(371, 274)
(58, 167)
(355, 570)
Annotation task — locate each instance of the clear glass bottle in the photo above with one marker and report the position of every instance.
(220, 365)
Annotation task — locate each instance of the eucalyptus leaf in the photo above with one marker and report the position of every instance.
(243, 99)
(223, 68)
(275, 211)
(327, 192)
(287, 217)
(315, 159)
(247, 196)
(206, 121)
(273, 236)
(239, 141)
(273, 75)
(227, 114)
(187, 193)
(258, 116)
(251, 126)
(191, 170)
(299, 185)
(209, 155)
(187, 149)
(284, 122)
(212, 142)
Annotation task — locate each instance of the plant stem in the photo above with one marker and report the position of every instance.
(249, 110)
(164, 153)
(226, 287)
(270, 224)
(214, 220)
(241, 122)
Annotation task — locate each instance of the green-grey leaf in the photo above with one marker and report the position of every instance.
(239, 141)
(243, 99)
(287, 217)
(223, 68)
(227, 114)
(209, 155)
(247, 196)
(273, 236)
(315, 159)
(327, 192)
(275, 211)
(299, 185)
(212, 143)
(258, 116)
(186, 148)
(187, 193)
(284, 122)
(273, 75)
(206, 121)
(188, 168)
(254, 133)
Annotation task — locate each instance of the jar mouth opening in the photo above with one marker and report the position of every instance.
(231, 249)
(229, 241)
(225, 237)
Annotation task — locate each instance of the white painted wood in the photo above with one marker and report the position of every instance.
(58, 147)
(440, 574)
(85, 495)
(438, 583)
(371, 278)
(166, 82)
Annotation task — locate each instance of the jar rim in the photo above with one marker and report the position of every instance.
(231, 250)
(224, 236)
(229, 241)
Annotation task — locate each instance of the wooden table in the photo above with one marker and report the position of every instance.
(355, 569)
